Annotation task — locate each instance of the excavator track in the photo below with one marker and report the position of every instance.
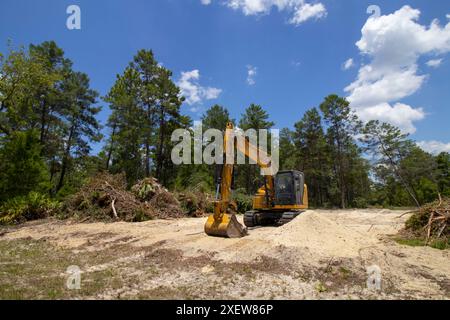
(288, 217)
(250, 219)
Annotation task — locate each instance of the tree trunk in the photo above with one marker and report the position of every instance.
(341, 170)
(65, 160)
(43, 123)
(159, 156)
(148, 141)
(111, 146)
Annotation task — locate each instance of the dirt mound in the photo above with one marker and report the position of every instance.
(320, 235)
(105, 197)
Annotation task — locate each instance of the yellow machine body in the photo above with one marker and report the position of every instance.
(260, 203)
(272, 203)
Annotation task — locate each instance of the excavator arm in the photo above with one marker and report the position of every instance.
(223, 223)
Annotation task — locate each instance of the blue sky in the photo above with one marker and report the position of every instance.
(295, 64)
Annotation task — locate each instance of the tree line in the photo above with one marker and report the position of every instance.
(49, 120)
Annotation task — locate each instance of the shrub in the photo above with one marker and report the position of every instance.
(22, 169)
(360, 203)
(244, 201)
(195, 203)
(30, 207)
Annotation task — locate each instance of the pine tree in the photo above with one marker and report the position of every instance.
(390, 146)
(81, 125)
(342, 125)
(128, 120)
(256, 118)
(312, 155)
(145, 105)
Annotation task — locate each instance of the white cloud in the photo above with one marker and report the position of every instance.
(434, 63)
(399, 114)
(308, 11)
(300, 10)
(348, 64)
(389, 86)
(205, 2)
(394, 42)
(251, 74)
(434, 147)
(193, 91)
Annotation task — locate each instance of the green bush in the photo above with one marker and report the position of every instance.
(22, 168)
(417, 221)
(195, 203)
(360, 203)
(440, 244)
(30, 207)
(244, 201)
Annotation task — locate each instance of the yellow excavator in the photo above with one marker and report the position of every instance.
(280, 200)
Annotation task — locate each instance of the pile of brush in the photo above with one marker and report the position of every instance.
(432, 220)
(195, 203)
(154, 195)
(105, 197)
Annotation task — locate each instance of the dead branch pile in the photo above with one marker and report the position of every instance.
(153, 194)
(105, 197)
(195, 203)
(431, 220)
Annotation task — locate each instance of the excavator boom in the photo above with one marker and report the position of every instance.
(223, 223)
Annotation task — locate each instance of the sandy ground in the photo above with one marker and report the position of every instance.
(323, 254)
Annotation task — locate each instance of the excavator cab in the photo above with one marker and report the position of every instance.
(289, 188)
(279, 202)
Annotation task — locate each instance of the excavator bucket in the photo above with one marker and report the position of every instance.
(226, 226)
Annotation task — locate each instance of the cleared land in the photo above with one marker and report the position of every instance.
(323, 254)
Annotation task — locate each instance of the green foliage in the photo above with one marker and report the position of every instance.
(30, 207)
(216, 117)
(343, 125)
(440, 244)
(322, 146)
(244, 201)
(197, 177)
(40, 92)
(360, 202)
(442, 173)
(391, 148)
(22, 169)
(312, 156)
(254, 118)
(48, 121)
(145, 106)
(417, 221)
(195, 203)
(414, 242)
